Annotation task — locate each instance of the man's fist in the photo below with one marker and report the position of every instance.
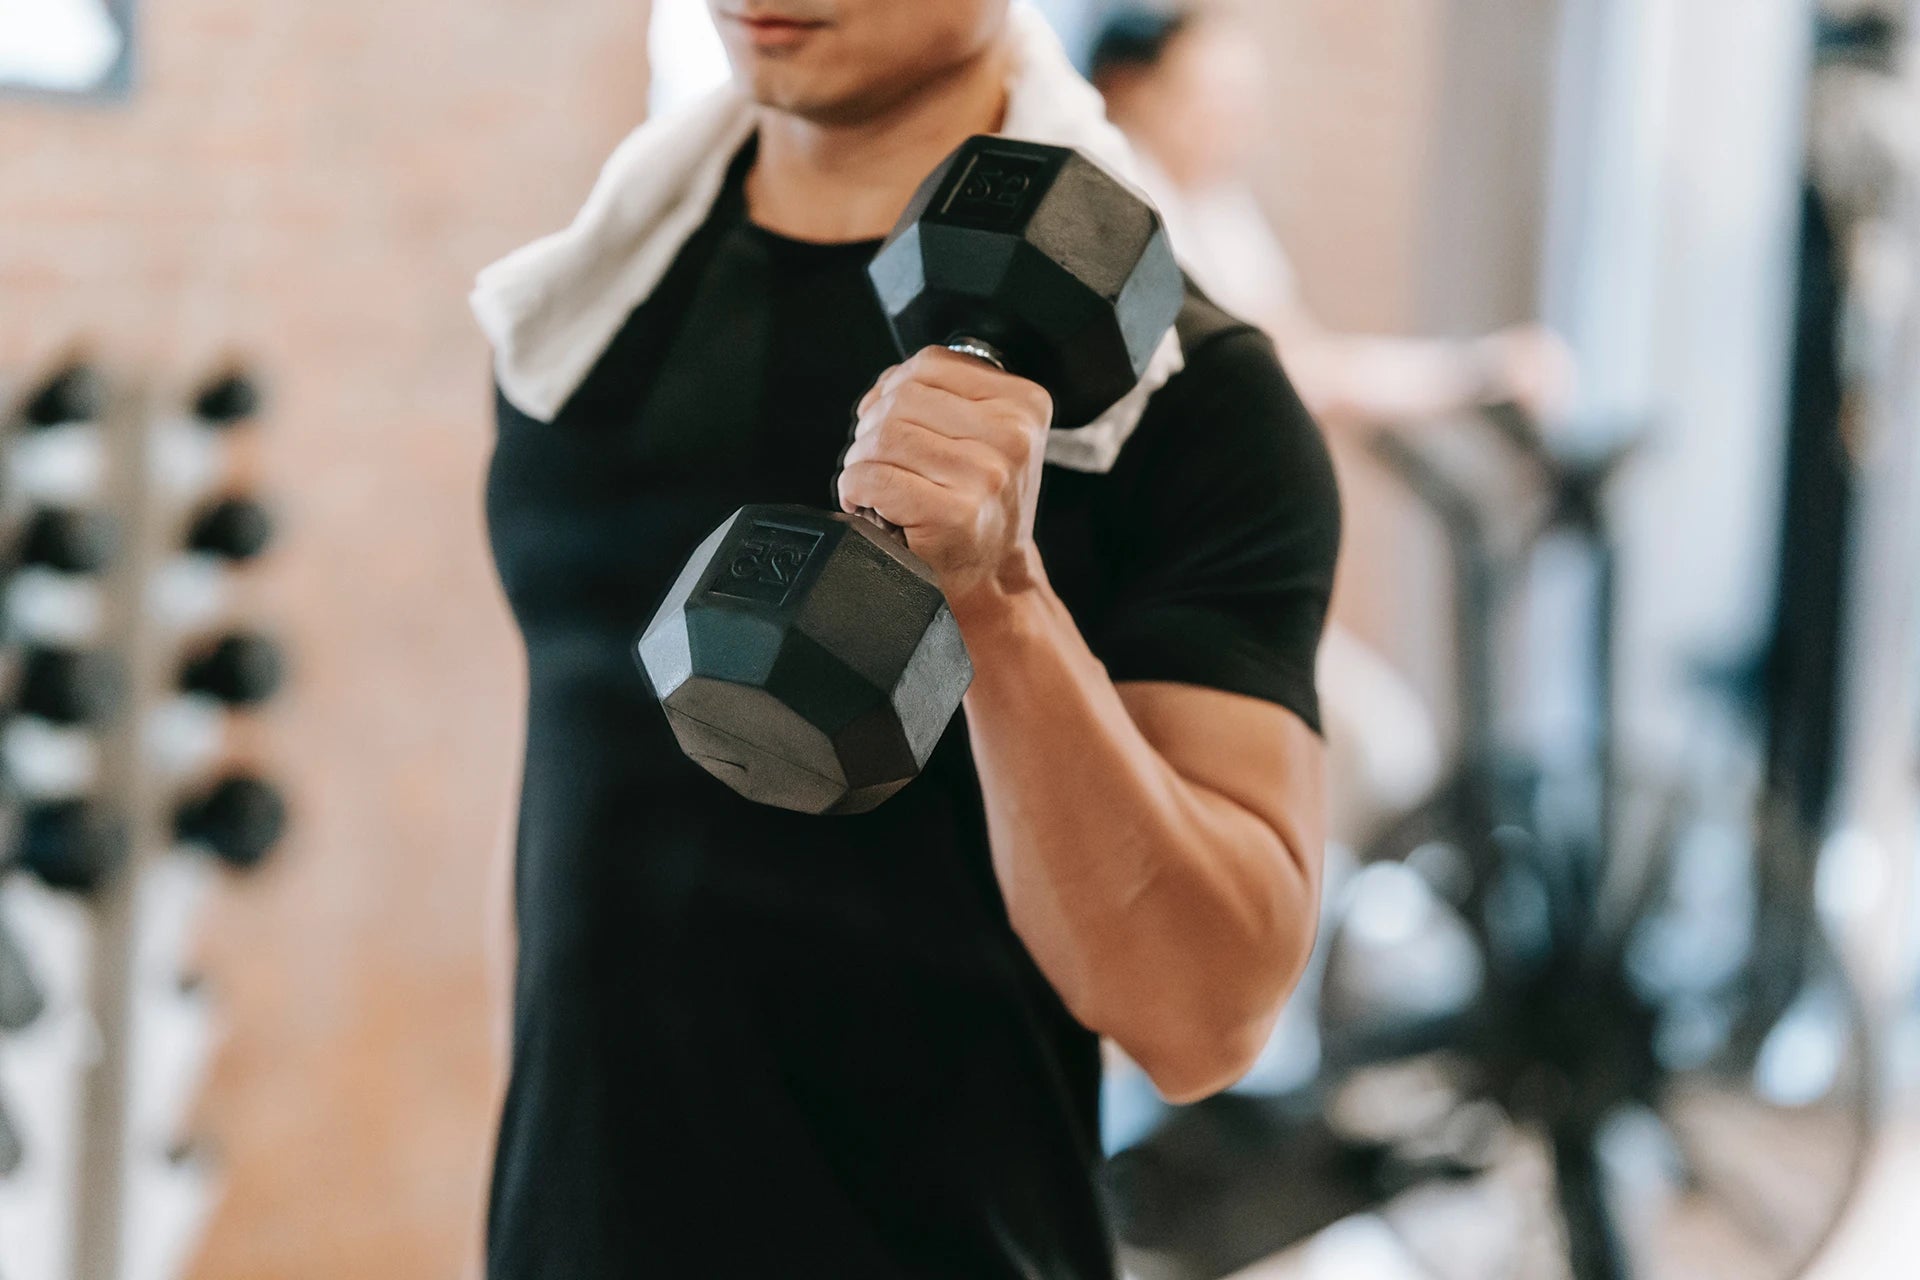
(950, 449)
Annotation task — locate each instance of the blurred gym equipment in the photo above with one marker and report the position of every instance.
(117, 755)
(1550, 991)
(21, 999)
(239, 820)
(1604, 1002)
(1582, 1016)
(235, 529)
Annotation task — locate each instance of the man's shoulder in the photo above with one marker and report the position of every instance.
(1232, 401)
(1227, 442)
(1202, 321)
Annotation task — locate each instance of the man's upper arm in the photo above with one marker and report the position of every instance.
(1223, 537)
(1256, 755)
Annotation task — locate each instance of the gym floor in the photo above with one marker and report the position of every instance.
(1877, 1242)
(1878, 1239)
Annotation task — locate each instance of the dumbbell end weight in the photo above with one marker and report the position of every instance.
(227, 399)
(800, 665)
(1062, 269)
(235, 529)
(73, 845)
(242, 670)
(70, 541)
(71, 687)
(74, 394)
(240, 821)
(789, 627)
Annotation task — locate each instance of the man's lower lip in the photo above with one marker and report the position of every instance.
(774, 30)
(778, 23)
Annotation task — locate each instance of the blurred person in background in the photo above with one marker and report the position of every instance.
(749, 1042)
(1187, 86)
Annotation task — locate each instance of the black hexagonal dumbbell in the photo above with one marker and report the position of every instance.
(234, 529)
(227, 399)
(75, 845)
(806, 658)
(69, 541)
(242, 670)
(71, 686)
(74, 393)
(239, 820)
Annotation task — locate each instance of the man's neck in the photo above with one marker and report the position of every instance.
(836, 183)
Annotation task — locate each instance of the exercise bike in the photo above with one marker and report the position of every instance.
(1645, 1059)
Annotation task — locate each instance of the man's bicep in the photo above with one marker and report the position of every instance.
(1255, 754)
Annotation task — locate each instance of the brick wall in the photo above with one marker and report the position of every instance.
(313, 186)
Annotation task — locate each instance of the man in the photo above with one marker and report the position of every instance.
(1187, 85)
(751, 1043)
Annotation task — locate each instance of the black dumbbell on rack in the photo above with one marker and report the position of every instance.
(227, 399)
(238, 819)
(233, 529)
(191, 451)
(75, 392)
(73, 844)
(56, 448)
(68, 541)
(235, 815)
(72, 687)
(240, 669)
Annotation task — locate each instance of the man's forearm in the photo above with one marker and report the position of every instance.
(1167, 915)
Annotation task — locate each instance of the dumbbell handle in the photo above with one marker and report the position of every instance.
(980, 349)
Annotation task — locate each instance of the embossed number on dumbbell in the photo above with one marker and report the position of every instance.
(767, 563)
(993, 191)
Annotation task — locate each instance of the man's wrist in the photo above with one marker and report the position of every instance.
(1014, 602)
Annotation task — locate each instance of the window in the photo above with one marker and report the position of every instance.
(684, 51)
(81, 48)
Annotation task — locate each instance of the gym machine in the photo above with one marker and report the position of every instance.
(1649, 1059)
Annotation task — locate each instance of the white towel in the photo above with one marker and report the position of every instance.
(551, 307)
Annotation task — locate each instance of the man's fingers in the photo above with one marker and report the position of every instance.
(879, 388)
(930, 406)
(1000, 424)
(896, 495)
(965, 376)
(966, 465)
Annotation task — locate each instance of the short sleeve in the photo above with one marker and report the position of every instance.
(1222, 542)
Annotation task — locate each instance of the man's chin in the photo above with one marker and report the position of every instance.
(806, 102)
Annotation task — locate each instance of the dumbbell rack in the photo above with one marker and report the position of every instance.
(117, 1195)
(106, 1147)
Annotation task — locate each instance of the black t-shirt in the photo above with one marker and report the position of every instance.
(752, 1043)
